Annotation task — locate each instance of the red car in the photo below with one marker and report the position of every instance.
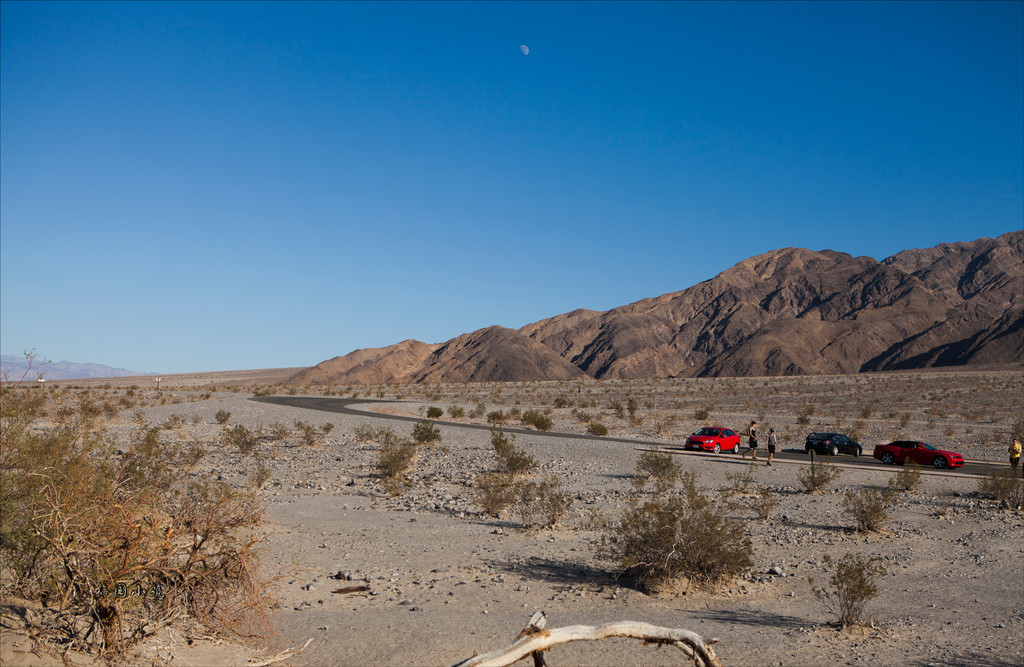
(920, 453)
(714, 439)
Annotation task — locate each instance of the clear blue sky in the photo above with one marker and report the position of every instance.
(195, 186)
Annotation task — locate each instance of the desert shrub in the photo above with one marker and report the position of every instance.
(513, 461)
(434, 412)
(631, 406)
(456, 412)
(309, 436)
(242, 439)
(700, 414)
(364, 433)
(259, 475)
(537, 419)
(678, 535)
(907, 479)
(478, 411)
(424, 433)
(496, 417)
(597, 428)
(83, 522)
(541, 502)
(222, 416)
(562, 402)
(850, 587)
(495, 492)
(174, 421)
(327, 428)
(817, 475)
(739, 483)
(1004, 488)
(869, 507)
(765, 502)
(619, 411)
(661, 470)
(393, 462)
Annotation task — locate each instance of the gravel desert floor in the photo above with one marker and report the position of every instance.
(432, 579)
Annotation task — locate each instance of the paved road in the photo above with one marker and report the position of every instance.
(345, 406)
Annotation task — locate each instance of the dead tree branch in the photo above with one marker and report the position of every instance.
(536, 638)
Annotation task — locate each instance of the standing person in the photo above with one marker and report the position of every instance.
(1014, 451)
(751, 440)
(773, 442)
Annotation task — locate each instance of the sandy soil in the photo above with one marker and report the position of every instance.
(446, 581)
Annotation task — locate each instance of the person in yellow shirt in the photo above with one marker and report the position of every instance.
(1014, 451)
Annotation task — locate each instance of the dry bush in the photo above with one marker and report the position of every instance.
(851, 585)
(661, 470)
(242, 439)
(456, 411)
(309, 436)
(597, 428)
(84, 523)
(907, 479)
(495, 492)
(434, 412)
(222, 416)
(542, 502)
(1003, 487)
(817, 475)
(765, 503)
(512, 461)
(537, 419)
(681, 534)
(869, 507)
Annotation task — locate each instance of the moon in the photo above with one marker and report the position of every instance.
(525, 49)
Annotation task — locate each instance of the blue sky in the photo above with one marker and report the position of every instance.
(204, 186)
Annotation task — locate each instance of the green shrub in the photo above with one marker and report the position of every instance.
(661, 470)
(513, 461)
(456, 412)
(424, 433)
(851, 586)
(309, 436)
(597, 428)
(434, 412)
(537, 419)
(496, 417)
(869, 507)
(678, 535)
(393, 462)
(222, 416)
(817, 475)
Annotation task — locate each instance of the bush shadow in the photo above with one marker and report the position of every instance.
(556, 571)
(754, 618)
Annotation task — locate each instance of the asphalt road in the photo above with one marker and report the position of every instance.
(344, 406)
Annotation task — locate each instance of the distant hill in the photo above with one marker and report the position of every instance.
(14, 367)
(787, 312)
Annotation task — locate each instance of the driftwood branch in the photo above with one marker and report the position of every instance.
(284, 655)
(536, 638)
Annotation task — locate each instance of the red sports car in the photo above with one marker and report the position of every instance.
(920, 453)
(714, 439)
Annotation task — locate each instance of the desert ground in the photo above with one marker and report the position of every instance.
(444, 580)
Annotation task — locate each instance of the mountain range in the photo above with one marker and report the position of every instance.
(791, 311)
(14, 367)
(787, 312)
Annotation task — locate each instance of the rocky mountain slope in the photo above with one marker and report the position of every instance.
(787, 312)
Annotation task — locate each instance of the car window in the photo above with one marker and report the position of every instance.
(727, 433)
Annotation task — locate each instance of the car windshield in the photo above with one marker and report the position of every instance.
(925, 446)
(707, 431)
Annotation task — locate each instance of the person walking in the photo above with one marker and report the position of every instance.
(773, 442)
(1014, 451)
(751, 440)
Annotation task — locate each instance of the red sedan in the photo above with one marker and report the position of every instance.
(920, 453)
(714, 439)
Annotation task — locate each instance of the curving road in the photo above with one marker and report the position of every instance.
(342, 406)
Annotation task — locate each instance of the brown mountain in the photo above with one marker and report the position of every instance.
(786, 312)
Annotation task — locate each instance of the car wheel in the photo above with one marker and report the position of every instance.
(857, 451)
(888, 458)
(835, 451)
(808, 450)
(717, 448)
(939, 462)
(736, 448)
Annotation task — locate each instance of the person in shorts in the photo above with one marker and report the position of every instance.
(751, 441)
(773, 442)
